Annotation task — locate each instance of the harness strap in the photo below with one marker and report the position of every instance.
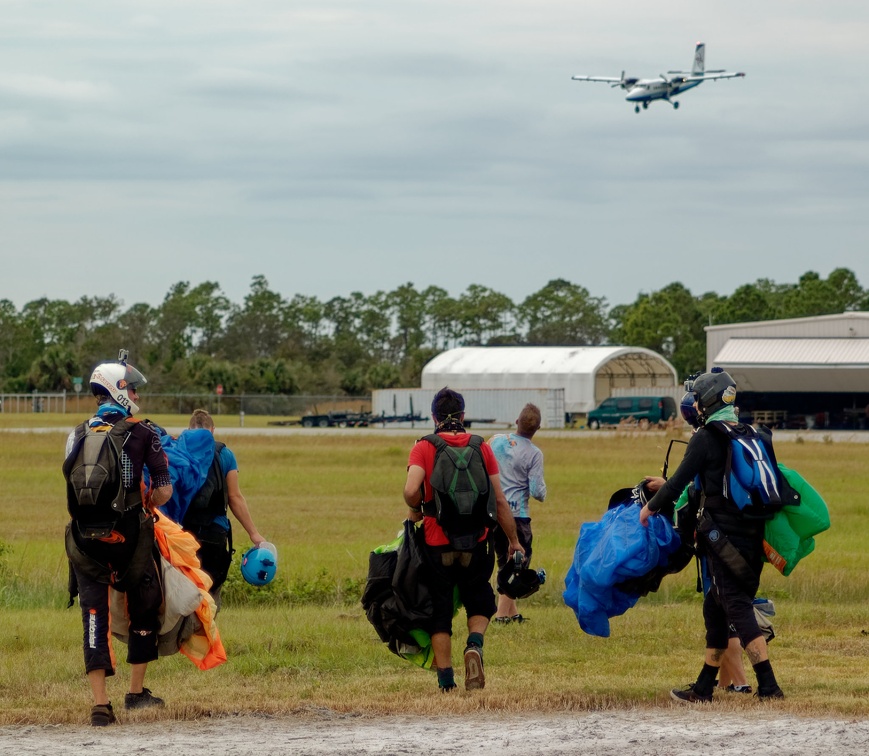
(429, 508)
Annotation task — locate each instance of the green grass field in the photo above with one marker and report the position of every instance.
(304, 642)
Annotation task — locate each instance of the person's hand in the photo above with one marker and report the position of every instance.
(653, 482)
(513, 548)
(256, 539)
(414, 514)
(645, 513)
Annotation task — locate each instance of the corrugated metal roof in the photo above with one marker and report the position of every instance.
(843, 317)
(847, 325)
(849, 352)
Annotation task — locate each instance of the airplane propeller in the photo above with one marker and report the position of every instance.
(620, 83)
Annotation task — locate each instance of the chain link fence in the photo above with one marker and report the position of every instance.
(280, 405)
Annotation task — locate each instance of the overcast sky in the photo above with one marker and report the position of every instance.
(337, 146)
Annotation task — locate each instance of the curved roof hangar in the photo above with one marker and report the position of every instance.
(588, 374)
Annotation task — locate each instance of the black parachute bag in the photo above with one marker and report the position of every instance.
(215, 541)
(464, 502)
(96, 499)
(397, 598)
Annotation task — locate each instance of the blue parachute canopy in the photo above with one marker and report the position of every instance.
(190, 457)
(609, 552)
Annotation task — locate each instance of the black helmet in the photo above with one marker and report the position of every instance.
(713, 391)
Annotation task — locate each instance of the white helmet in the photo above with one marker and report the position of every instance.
(116, 379)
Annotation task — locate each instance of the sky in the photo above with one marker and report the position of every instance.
(336, 146)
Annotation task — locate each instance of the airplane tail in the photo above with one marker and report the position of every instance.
(699, 59)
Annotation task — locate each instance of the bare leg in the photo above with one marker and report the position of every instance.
(477, 624)
(732, 670)
(506, 606)
(713, 656)
(441, 644)
(97, 680)
(137, 677)
(757, 650)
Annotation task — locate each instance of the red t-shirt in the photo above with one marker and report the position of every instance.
(423, 455)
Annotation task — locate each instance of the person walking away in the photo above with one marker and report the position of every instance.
(457, 559)
(110, 536)
(735, 569)
(731, 673)
(206, 515)
(520, 464)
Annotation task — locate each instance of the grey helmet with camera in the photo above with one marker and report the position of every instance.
(713, 391)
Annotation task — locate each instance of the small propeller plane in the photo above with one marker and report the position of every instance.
(642, 91)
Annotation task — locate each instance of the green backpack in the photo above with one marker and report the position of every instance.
(464, 502)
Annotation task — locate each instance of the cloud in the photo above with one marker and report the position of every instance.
(241, 85)
(46, 88)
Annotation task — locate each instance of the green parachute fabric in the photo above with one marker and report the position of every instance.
(789, 536)
(396, 600)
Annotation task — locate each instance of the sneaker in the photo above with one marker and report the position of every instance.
(739, 689)
(775, 692)
(688, 695)
(474, 677)
(142, 700)
(102, 715)
(519, 618)
(503, 620)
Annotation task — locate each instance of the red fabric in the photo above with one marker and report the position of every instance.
(423, 455)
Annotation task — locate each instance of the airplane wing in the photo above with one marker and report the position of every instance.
(707, 76)
(608, 79)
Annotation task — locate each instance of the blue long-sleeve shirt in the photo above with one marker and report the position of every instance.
(521, 470)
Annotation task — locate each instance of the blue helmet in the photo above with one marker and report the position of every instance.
(689, 411)
(259, 564)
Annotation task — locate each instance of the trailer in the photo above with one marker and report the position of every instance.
(483, 407)
(336, 420)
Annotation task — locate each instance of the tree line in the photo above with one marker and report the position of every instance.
(269, 344)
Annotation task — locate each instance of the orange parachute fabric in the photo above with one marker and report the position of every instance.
(204, 648)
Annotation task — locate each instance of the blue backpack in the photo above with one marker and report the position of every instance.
(751, 477)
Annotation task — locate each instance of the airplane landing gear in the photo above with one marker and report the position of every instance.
(646, 105)
(636, 108)
(675, 106)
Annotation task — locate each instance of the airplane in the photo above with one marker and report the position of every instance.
(643, 91)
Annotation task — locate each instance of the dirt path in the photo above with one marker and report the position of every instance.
(618, 733)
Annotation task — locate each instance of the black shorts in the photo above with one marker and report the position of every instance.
(523, 531)
(468, 571)
(143, 606)
(728, 606)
